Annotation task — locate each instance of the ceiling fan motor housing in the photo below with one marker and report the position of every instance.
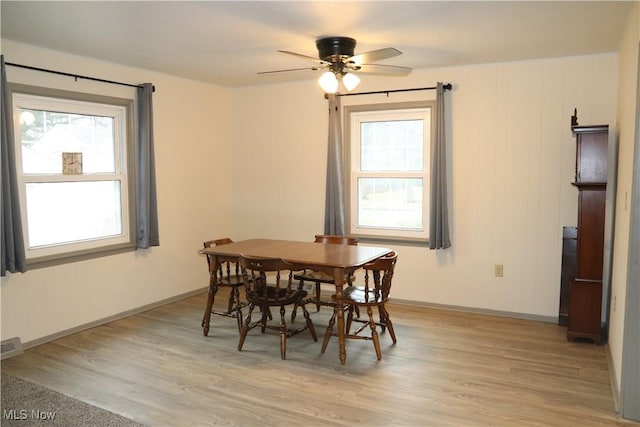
(332, 49)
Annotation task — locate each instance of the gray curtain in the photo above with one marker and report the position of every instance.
(13, 256)
(439, 216)
(334, 202)
(147, 206)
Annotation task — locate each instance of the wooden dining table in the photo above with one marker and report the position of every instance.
(334, 259)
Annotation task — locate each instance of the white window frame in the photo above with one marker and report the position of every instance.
(354, 116)
(121, 110)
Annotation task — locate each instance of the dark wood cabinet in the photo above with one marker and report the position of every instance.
(585, 295)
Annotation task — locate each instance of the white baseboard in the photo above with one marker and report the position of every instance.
(512, 314)
(328, 291)
(122, 315)
(612, 377)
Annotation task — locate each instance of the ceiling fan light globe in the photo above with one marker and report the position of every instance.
(350, 81)
(328, 82)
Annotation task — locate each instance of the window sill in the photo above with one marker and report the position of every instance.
(66, 258)
(404, 241)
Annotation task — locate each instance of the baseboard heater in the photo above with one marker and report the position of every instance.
(11, 347)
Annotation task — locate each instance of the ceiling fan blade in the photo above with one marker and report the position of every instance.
(374, 55)
(291, 69)
(384, 70)
(306, 57)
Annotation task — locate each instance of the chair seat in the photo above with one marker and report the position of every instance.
(357, 295)
(317, 276)
(275, 297)
(277, 292)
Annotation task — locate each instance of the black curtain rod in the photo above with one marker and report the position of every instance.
(447, 86)
(75, 76)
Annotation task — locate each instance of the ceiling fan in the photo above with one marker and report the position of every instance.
(336, 56)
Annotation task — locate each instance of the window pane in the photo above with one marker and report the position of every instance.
(392, 145)
(47, 134)
(64, 212)
(390, 203)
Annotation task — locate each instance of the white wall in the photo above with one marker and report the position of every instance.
(263, 149)
(512, 162)
(192, 124)
(626, 119)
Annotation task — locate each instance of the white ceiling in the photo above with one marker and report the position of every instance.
(228, 42)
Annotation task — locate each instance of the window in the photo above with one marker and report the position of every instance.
(388, 170)
(72, 163)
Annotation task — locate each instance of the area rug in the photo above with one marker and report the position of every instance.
(27, 404)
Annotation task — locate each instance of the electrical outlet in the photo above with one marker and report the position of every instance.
(499, 270)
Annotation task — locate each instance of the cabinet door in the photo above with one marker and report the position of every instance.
(591, 157)
(591, 206)
(568, 272)
(585, 310)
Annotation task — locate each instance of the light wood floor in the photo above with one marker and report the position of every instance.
(447, 369)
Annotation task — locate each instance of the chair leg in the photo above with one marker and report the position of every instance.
(206, 319)
(374, 333)
(328, 333)
(283, 334)
(237, 306)
(232, 299)
(388, 323)
(382, 318)
(239, 318)
(347, 327)
(265, 314)
(355, 307)
(357, 310)
(318, 292)
(391, 331)
(245, 327)
(310, 326)
(268, 312)
(294, 311)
